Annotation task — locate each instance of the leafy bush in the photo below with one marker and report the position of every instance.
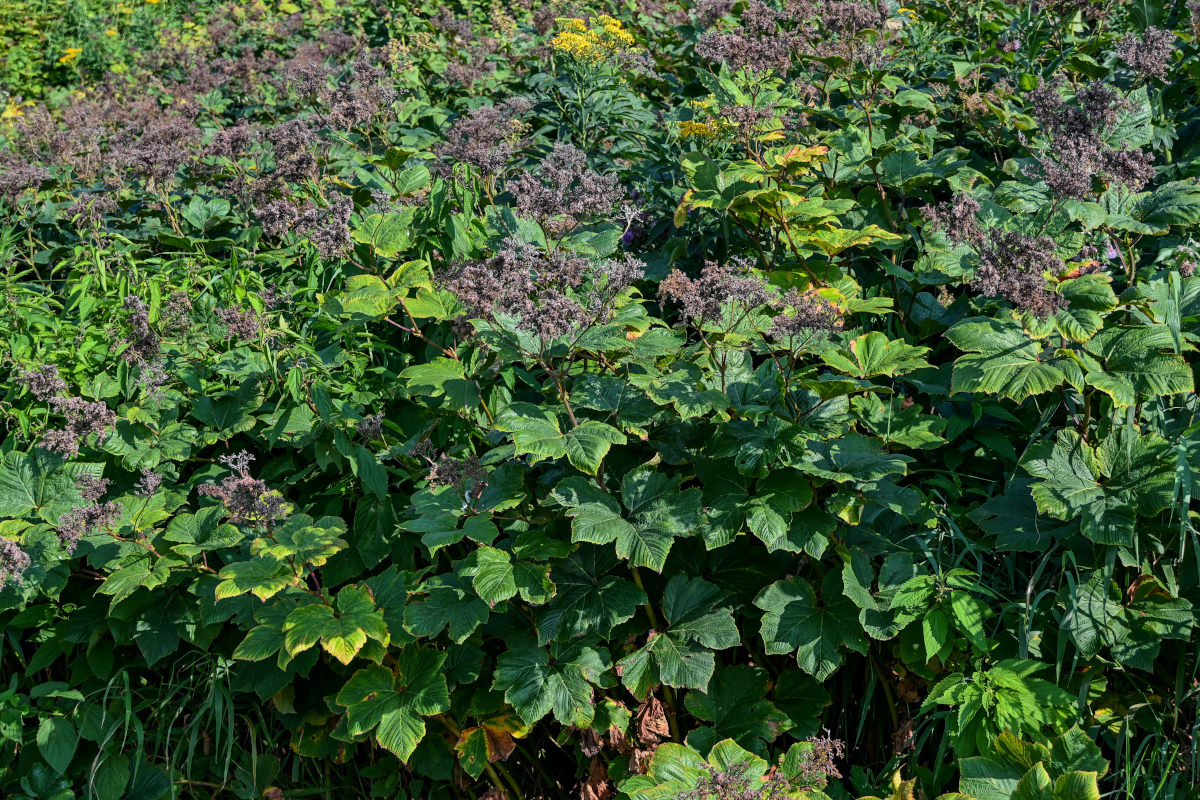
(735, 400)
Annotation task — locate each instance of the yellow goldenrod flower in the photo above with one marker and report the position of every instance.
(691, 129)
(71, 54)
(596, 43)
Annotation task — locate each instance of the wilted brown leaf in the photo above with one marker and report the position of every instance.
(590, 742)
(597, 786)
(652, 725)
(639, 760)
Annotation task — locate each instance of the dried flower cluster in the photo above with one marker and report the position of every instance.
(143, 343)
(18, 176)
(86, 519)
(1077, 153)
(957, 219)
(366, 94)
(770, 39)
(485, 137)
(704, 298)
(804, 317)
(240, 323)
(247, 499)
(538, 288)
(371, 427)
(175, 314)
(449, 471)
(757, 44)
(43, 382)
(819, 763)
(148, 483)
(1149, 55)
(13, 562)
(90, 210)
(81, 418)
(1013, 266)
(564, 191)
(328, 227)
(732, 783)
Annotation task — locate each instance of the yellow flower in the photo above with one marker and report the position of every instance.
(71, 54)
(596, 43)
(153, 2)
(12, 111)
(691, 129)
(111, 32)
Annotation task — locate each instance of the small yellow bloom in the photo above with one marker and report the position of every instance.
(153, 2)
(71, 54)
(596, 43)
(12, 111)
(691, 129)
(111, 32)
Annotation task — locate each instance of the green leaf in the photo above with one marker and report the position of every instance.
(832, 241)
(698, 622)
(935, 630)
(853, 457)
(969, 612)
(736, 707)
(201, 532)
(230, 413)
(1103, 487)
(535, 684)
(372, 474)
(266, 639)
(694, 609)
(1093, 609)
(443, 377)
(300, 540)
(795, 622)
(1003, 360)
(263, 576)
(111, 777)
(498, 575)
(589, 597)
(450, 602)
(41, 482)
(669, 660)
(657, 512)
(985, 779)
(393, 704)
(1134, 364)
(342, 631)
(588, 444)
(493, 575)
(56, 741)
(1174, 203)
(1034, 785)
(1077, 786)
(388, 234)
(873, 355)
(880, 618)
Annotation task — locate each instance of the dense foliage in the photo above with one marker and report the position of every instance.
(730, 399)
